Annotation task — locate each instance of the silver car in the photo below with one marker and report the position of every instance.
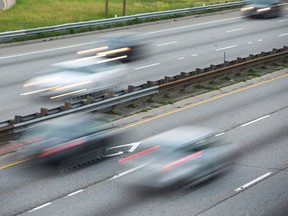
(77, 77)
(185, 155)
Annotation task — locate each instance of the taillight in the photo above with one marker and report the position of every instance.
(181, 161)
(61, 147)
(139, 154)
(22, 144)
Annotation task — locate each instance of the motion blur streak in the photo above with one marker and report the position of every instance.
(112, 59)
(73, 85)
(138, 154)
(83, 52)
(41, 82)
(181, 161)
(38, 91)
(114, 51)
(66, 94)
(21, 144)
(264, 9)
(55, 149)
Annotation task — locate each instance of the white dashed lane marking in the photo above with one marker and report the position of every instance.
(76, 192)
(243, 187)
(39, 207)
(224, 48)
(281, 35)
(146, 66)
(233, 30)
(164, 44)
(256, 120)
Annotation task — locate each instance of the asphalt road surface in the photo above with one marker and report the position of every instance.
(174, 46)
(253, 114)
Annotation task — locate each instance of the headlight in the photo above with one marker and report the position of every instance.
(264, 9)
(247, 8)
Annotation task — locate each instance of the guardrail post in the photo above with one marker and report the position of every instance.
(17, 119)
(149, 83)
(66, 106)
(167, 79)
(131, 88)
(109, 94)
(88, 100)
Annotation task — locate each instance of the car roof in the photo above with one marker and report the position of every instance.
(179, 137)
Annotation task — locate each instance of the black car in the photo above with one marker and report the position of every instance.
(262, 8)
(76, 140)
(126, 47)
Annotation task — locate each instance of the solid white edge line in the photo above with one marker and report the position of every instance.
(252, 182)
(164, 44)
(39, 207)
(224, 48)
(138, 68)
(76, 192)
(283, 34)
(251, 122)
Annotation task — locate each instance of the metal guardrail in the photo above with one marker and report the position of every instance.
(220, 69)
(19, 123)
(13, 34)
(150, 87)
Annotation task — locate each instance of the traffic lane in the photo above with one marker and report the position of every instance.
(85, 39)
(112, 197)
(224, 109)
(262, 199)
(60, 52)
(31, 185)
(145, 130)
(182, 61)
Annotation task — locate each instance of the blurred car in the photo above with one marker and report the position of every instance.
(127, 45)
(83, 138)
(262, 8)
(77, 77)
(185, 155)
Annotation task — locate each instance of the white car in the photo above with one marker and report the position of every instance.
(77, 77)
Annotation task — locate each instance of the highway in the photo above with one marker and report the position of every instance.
(174, 46)
(253, 114)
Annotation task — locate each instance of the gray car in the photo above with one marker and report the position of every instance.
(262, 8)
(185, 155)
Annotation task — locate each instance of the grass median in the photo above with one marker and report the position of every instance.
(27, 14)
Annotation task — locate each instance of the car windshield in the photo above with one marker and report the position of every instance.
(66, 131)
(205, 143)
